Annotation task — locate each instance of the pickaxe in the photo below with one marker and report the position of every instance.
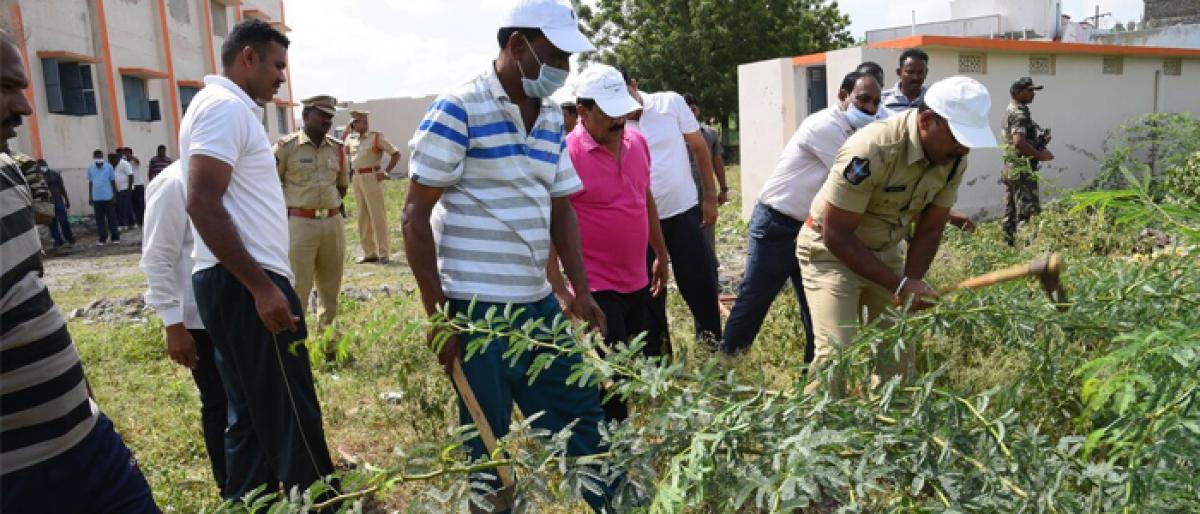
(1048, 269)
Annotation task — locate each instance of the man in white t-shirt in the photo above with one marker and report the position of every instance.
(783, 206)
(242, 276)
(671, 129)
(124, 178)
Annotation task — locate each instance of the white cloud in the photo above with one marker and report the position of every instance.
(363, 49)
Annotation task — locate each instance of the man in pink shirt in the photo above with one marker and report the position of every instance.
(615, 209)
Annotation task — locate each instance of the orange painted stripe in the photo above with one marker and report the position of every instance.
(106, 55)
(66, 56)
(35, 133)
(291, 121)
(166, 35)
(145, 73)
(212, 57)
(239, 11)
(191, 83)
(804, 60)
(1024, 45)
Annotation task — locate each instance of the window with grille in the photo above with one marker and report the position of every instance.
(972, 63)
(1113, 66)
(1173, 67)
(69, 87)
(1041, 65)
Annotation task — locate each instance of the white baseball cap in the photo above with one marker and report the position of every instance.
(555, 18)
(604, 84)
(965, 104)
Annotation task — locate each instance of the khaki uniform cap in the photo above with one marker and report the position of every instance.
(325, 103)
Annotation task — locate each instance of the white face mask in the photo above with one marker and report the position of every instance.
(856, 117)
(99, 162)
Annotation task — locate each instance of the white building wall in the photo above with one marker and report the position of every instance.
(767, 116)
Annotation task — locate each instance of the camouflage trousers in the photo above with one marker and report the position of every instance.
(1021, 203)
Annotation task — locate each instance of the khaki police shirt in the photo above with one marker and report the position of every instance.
(311, 175)
(367, 151)
(881, 172)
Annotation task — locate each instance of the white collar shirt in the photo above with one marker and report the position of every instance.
(805, 163)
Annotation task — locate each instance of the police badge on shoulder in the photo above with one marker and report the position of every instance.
(857, 170)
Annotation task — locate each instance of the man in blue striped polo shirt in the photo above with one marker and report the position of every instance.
(488, 195)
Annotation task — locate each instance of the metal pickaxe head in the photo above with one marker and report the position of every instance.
(1049, 272)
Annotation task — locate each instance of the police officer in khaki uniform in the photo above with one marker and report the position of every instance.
(311, 168)
(365, 150)
(852, 249)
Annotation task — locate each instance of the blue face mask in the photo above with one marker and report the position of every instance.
(856, 117)
(549, 80)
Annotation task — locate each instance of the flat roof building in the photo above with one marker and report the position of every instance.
(112, 73)
(1091, 91)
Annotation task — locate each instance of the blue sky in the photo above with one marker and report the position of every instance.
(363, 49)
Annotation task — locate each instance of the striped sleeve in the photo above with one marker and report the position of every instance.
(440, 143)
(566, 181)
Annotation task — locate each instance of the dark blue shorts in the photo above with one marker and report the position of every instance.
(98, 475)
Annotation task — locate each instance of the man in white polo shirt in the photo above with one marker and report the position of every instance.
(671, 129)
(242, 277)
(491, 180)
(783, 207)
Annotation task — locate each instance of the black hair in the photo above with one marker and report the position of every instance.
(850, 79)
(162, 147)
(873, 68)
(691, 100)
(254, 33)
(914, 53)
(505, 33)
(586, 102)
(97, 152)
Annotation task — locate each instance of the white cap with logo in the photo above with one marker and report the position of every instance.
(555, 18)
(965, 104)
(604, 84)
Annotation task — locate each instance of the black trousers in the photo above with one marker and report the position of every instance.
(138, 198)
(213, 404)
(695, 268)
(625, 315)
(274, 434)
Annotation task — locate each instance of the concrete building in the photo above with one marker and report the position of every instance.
(1010, 19)
(1091, 90)
(395, 118)
(111, 73)
(1174, 23)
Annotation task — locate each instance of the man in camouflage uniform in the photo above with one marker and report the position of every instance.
(1026, 148)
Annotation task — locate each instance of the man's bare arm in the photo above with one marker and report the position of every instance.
(419, 246)
(926, 239)
(708, 202)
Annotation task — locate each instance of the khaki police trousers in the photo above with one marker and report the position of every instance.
(372, 215)
(841, 301)
(318, 250)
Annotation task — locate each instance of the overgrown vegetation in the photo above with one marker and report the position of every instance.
(1018, 407)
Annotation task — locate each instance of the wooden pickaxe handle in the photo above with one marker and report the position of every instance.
(481, 422)
(1051, 264)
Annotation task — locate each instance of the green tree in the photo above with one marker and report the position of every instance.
(695, 46)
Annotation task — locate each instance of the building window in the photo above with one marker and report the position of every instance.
(138, 105)
(220, 23)
(1041, 65)
(186, 93)
(1173, 67)
(69, 87)
(1113, 66)
(282, 113)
